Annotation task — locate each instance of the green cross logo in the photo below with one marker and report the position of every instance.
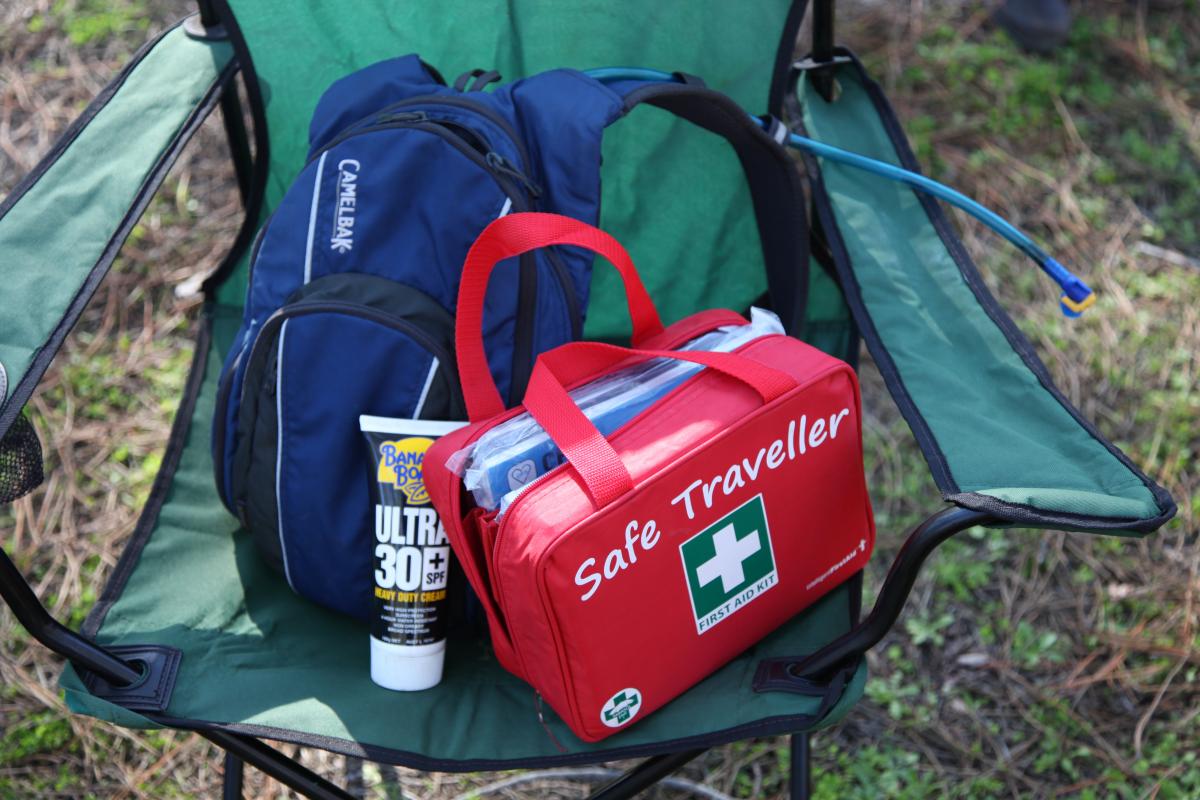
(729, 564)
(621, 707)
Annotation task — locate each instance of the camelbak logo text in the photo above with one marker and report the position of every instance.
(347, 201)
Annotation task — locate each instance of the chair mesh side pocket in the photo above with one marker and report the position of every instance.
(20, 461)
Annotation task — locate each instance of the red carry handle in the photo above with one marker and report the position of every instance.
(604, 474)
(510, 236)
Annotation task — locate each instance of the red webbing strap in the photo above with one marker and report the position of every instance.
(510, 236)
(602, 471)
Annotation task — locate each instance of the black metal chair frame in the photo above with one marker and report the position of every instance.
(88, 656)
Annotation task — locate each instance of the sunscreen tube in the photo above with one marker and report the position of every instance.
(411, 556)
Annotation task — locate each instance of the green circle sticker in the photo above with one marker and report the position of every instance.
(621, 707)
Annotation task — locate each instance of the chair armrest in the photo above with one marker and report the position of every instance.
(998, 435)
(62, 226)
(892, 596)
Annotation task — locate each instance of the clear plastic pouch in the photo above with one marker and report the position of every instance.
(514, 454)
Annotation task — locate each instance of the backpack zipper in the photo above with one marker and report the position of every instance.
(483, 111)
(225, 386)
(527, 294)
(518, 144)
(499, 164)
(224, 390)
(303, 309)
(376, 122)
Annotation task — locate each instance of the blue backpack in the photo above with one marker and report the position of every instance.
(353, 282)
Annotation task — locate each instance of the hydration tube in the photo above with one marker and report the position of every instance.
(1077, 296)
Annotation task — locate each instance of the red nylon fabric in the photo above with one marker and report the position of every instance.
(597, 463)
(510, 236)
(705, 522)
(577, 596)
(601, 469)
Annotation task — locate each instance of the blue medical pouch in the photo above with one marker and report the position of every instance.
(353, 281)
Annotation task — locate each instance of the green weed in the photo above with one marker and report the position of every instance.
(87, 21)
(41, 732)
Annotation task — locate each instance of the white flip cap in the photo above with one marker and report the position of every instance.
(405, 668)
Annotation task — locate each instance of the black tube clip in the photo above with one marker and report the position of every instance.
(194, 27)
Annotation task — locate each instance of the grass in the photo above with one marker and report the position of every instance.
(90, 21)
(1054, 664)
(1027, 664)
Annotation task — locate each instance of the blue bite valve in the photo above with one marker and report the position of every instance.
(1077, 295)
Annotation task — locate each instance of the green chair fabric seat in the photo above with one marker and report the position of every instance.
(675, 196)
(259, 659)
(998, 436)
(72, 213)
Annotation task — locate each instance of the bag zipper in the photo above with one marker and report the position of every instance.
(390, 117)
(225, 388)
(527, 299)
(304, 309)
(499, 164)
(376, 122)
(575, 316)
(460, 102)
(523, 345)
(560, 270)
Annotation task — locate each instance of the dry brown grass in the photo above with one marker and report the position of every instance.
(128, 354)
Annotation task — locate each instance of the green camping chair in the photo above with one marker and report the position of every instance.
(193, 630)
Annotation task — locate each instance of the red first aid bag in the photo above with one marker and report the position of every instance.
(621, 578)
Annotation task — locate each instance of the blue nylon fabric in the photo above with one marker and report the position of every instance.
(349, 99)
(419, 202)
(385, 195)
(322, 453)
